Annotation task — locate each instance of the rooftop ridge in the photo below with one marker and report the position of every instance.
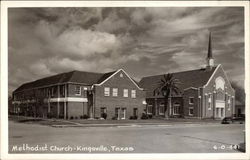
(176, 72)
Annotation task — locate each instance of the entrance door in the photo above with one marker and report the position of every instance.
(220, 109)
(123, 113)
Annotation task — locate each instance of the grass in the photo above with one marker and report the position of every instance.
(52, 122)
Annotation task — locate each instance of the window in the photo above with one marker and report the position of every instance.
(191, 111)
(121, 75)
(150, 109)
(133, 93)
(62, 90)
(52, 91)
(161, 109)
(115, 92)
(176, 109)
(135, 112)
(77, 90)
(117, 110)
(104, 112)
(191, 100)
(125, 92)
(209, 101)
(106, 91)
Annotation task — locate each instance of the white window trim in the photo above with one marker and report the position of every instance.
(108, 91)
(189, 100)
(151, 107)
(162, 106)
(124, 92)
(178, 109)
(78, 94)
(133, 94)
(115, 95)
(189, 111)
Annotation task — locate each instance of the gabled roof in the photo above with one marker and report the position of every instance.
(87, 78)
(192, 78)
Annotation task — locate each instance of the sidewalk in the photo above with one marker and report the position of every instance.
(61, 123)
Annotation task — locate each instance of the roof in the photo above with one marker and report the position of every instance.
(88, 78)
(192, 78)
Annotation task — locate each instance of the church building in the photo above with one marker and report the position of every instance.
(204, 93)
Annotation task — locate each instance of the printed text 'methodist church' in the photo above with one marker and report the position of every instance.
(204, 93)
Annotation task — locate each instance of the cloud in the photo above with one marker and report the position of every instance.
(143, 41)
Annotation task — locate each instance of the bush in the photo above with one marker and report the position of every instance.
(114, 118)
(85, 116)
(76, 117)
(150, 116)
(133, 117)
(71, 117)
(104, 115)
(49, 115)
(61, 116)
(144, 116)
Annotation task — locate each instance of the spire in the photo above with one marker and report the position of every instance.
(209, 54)
(210, 59)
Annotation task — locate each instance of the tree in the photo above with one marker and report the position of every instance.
(166, 86)
(239, 92)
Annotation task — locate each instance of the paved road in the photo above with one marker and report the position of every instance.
(125, 139)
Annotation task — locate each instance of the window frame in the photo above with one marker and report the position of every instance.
(189, 111)
(76, 90)
(125, 92)
(115, 95)
(133, 93)
(190, 100)
(106, 91)
(151, 106)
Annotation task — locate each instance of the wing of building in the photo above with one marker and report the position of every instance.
(204, 93)
(80, 94)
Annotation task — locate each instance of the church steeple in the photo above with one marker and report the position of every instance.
(210, 59)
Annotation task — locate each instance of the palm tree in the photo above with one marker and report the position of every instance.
(167, 85)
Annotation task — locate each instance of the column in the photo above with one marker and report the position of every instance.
(65, 103)
(58, 103)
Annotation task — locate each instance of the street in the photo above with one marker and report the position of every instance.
(181, 138)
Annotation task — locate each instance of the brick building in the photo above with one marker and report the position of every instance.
(204, 93)
(76, 94)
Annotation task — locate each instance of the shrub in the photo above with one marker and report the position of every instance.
(61, 116)
(104, 115)
(150, 116)
(133, 117)
(85, 116)
(114, 118)
(71, 117)
(144, 116)
(49, 115)
(76, 117)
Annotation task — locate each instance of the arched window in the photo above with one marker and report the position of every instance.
(220, 83)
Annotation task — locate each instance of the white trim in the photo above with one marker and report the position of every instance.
(223, 78)
(189, 100)
(212, 76)
(68, 99)
(115, 74)
(191, 88)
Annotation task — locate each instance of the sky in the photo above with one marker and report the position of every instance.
(142, 41)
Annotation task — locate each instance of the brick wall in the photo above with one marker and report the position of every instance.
(111, 102)
(186, 105)
(210, 88)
